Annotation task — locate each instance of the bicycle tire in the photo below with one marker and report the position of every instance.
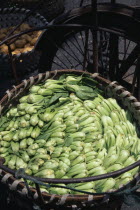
(120, 20)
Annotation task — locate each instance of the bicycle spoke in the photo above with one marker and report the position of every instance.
(101, 50)
(113, 56)
(76, 46)
(129, 75)
(61, 52)
(70, 54)
(66, 57)
(80, 48)
(54, 62)
(85, 48)
(126, 49)
(134, 81)
(60, 48)
(75, 50)
(107, 54)
(73, 53)
(82, 38)
(61, 61)
(129, 61)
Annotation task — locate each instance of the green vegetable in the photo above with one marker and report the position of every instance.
(130, 160)
(109, 184)
(33, 98)
(34, 120)
(66, 128)
(3, 149)
(51, 164)
(23, 99)
(25, 157)
(45, 92)
(79, 159)
(15, 147)
(110, 160)
(23, 123)
(8, 137)
(114, 167)
(29, 131)
(40, 123)
(23, 106)
(34, 89)
(34, 168)
(27, 117)
(46, 173)
(22, 133)
(93, 164)
(60, 191)
(85, 186)
(23, 144)
(30, 141)
(12, 162)
(121, 182)
(5, 143)
(35, 133)
(20, 163)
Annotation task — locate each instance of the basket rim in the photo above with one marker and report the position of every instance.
(34, 80)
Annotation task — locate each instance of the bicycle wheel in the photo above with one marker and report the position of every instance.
(118, 43)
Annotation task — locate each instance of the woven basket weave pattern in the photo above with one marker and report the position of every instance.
(112, 89)
(49, 8)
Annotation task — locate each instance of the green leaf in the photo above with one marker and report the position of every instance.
(68, 141)
(3, 120)
(89, 82)
(56, 97)
(85, 96)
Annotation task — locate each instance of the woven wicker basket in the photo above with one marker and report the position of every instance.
(49, 8)
(112, 89)
(12, 17)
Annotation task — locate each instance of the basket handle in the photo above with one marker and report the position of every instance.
(68, 181)
(120, 192)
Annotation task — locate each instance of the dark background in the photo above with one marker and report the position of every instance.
(5, 84)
